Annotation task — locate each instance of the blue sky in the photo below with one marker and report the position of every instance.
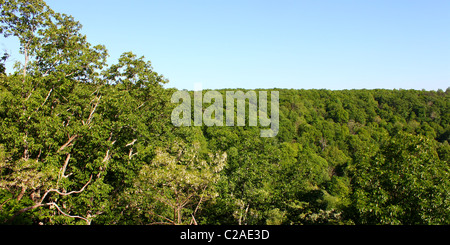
(332, 44)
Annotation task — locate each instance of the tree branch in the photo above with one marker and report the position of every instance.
(65, 193)
(107, 157)
(71, 216)
(91, 115)
(46, 98)
(140, 106)
(193, 220)
(63, 170)
(26, 58)
(67, 143)
(201, 199)
(186, 200)
(131, 143)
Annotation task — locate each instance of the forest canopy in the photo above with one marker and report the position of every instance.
(84, 142)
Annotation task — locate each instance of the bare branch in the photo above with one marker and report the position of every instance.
(31, 92)
(96, 90)
(67, 143)
(201, 199)
(63, 170)
(140, 106)
(131, 154)
(39, 155)
(65, 193)
(107, 157)
(70, 74)
(91, 115)
(193, 220)
(25, 152)
(26, 59)
(131, 143)
(46, 98)
(71, 216)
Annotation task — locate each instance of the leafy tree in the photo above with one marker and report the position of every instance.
(405, 183)
(58, 149)
(178, 181)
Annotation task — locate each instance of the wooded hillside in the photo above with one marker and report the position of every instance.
(83, 142)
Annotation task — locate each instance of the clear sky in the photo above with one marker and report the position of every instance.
(332, 44)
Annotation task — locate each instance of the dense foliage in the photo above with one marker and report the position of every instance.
(82, 142)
